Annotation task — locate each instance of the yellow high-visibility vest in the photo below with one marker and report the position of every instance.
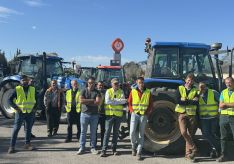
(210, 108)
(140, 105)
(69, 101)
(188, 109)
(116, 110)
(25, 104)
(228, 99)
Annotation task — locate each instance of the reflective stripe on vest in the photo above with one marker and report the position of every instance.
(140, 105)
(69, 101)
(228, 99)
(25, 104)
(116, 110)
(189, 109)
(210, 108)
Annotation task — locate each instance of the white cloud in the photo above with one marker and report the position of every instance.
(35, 3)
(95, 60)
(5, 13)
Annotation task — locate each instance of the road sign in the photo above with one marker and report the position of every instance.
(117, 45)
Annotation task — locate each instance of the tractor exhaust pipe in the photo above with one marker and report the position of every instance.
(44, 75)
(230, 66)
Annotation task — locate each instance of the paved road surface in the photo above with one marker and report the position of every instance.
(55, 151)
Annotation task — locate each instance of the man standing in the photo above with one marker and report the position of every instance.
(186, 109)
(140, 103)
(23, 100)
(73, 110)
(208, 113)
(227, 117)
(90, 99)
(53, 100)
(102, 117)
(114, 101)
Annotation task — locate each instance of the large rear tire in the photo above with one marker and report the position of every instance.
(162, 132)
(5, 92)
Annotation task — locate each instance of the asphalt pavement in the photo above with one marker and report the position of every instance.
(55, 151)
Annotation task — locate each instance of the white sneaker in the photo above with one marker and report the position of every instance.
(94, 151)
(80, 152)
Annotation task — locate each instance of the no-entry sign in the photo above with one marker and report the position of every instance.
(117, 45)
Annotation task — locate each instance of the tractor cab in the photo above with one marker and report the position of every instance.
(106, 73)
(3, 65)
(41, 70)
(175, 60)
(86, 72)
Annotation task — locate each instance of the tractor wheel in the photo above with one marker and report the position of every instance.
(6, 91)
(162, 132)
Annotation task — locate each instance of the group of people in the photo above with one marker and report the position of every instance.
(95, 106)
(205, 108)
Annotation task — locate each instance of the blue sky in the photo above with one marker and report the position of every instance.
(84, 29)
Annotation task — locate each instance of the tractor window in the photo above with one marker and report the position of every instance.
(54, 67)
(85, 73)
(27, 68)
(107, 74)
(196, 61)
(165, 63)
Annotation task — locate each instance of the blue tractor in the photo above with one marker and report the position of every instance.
(41, 68)
(3, 65)
(167, 66)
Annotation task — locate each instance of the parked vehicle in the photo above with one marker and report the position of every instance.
(41, 68)
(167, 66)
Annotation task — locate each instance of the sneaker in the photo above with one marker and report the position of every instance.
(11, 150)
(214, 154)
(193, 154)
(33, 136)
(133, 152)
(94, 151)
(80, 152)
(29, 147)
(49, 135)
(139, 157)
(55, 134)
(67, 140)
(116, 153)
(222, 158)
(188, 157)
(103, 153)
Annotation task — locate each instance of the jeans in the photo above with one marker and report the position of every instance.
(19, 119)
(101, 122)
(137, 130)
(227, 131)
(73, 118)
(111, 121)
(85, 120)
(209, 127)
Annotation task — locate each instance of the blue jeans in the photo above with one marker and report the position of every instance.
(19, 119)
(85, 120)
(227, 132)
(137, 135)
(209, 131)
(111, 121)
